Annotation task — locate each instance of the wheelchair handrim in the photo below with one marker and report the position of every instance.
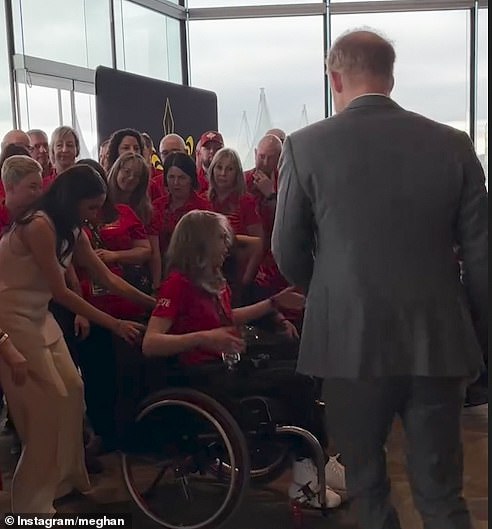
(136, 497)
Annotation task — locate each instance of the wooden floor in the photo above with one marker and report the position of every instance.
(268, 508)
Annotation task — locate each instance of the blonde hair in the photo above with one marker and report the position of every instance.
(190, 249)
(17, 167)
(60, 133)
(139, 200)
(240, 185)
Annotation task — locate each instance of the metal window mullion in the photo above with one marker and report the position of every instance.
(9, 30)
(184, 50)
(72, 108)
(261, 11)
(393, 6)
(60, 107)
(326, 47)
(473, 70)
(164, 7)
(112, 30)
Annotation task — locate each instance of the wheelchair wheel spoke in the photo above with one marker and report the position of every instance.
(175, 485)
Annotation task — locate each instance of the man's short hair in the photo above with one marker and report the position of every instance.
(16, 168)
(362, 52)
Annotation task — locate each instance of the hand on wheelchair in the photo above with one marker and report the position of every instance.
(289, 330)
(130, 331)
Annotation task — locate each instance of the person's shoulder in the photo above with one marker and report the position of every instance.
(160, 202)
(312, 130)
(37, 224)
(127, 213)
(200, 201)
(176, 277)
(247, 199)
(175, 281)
(437, 131)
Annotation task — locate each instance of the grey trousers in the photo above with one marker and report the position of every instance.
(360, 414)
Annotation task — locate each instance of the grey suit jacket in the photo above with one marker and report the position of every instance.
(370, 204)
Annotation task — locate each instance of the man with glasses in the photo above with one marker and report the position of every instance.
(40, 151)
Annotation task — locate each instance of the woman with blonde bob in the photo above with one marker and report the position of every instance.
(227, 193)
(64, 149)
(193, 317)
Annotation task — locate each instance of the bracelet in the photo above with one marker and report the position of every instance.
(3, 337)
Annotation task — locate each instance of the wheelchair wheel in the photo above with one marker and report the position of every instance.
(180, 435)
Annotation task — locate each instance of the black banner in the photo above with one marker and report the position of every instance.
(126, 100)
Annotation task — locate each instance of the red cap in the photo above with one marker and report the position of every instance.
(211, 135)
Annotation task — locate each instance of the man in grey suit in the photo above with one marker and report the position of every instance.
(370, 205)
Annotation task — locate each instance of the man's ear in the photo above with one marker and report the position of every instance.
(336, 81)
(391, 84)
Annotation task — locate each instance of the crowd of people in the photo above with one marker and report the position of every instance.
(90, 249)
(173, 253)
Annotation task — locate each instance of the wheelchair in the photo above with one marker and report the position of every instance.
(189, 456)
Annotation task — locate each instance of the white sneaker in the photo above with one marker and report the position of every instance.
(335, 474)
(304, 487)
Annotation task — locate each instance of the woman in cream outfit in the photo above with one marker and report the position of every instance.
(48, 408)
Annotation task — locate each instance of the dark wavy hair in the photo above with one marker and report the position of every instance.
(114, 144)
(181, 161)
(61, 204)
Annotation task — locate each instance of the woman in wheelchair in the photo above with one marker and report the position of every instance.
(193, 321)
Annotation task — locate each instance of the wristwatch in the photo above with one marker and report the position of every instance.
(272, 196)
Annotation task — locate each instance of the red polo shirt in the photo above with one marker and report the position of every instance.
(164, 219)
(156, 184)
(203, 183)
(268, 275)
(49, 179)
(240, 210)
(5, 218)
(119, 235)
(192, 309)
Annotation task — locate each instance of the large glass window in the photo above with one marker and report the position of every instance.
(432, 59)
(483, 89)
(85, 124)
(74, 32)
(43, 108)
(148, 42)
(281, 58)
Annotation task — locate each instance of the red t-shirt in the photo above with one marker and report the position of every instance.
(49, 179)
(5, 218)
(119, 235)
(192, 309)
(164, 219)
(268, 275)
(203, 183)
(240, 210)
(157, 188)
